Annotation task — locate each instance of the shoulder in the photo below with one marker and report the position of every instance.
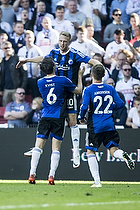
(132, 110)
(78, 53)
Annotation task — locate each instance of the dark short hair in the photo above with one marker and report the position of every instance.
(119, 32)
(59, 7)
(47, 65)
(98, 71)
(116, 10)
(135, 85)
(81, 28)
(136, 98)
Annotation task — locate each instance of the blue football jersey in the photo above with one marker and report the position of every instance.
(100, 99)
(53, 90)
(68, 64)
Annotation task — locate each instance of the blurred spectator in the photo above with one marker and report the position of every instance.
(17, 111)
(136, 62)
(112, 27)
(48, 38)
(30, 50)
(3, 38)
(20, 5)
(41, 13)
(53, 5)
(28, 24)
(87, 79)
(17, 38)
(120, 115)
(8, 14)
(47, 3)
(134, 21)
(5, 25)
(99, 13)
(108, 6)
(10, 76)
(85, 45)
(136, 91)
(125, 85)
(90, 33)
(120, 4)
(60, 24)
(113, 47)
(136, 41)
(84, 6)
(122, 57)
(133, 119)
(99, 57)
(133, 6)
(35, 115)
(74, 15)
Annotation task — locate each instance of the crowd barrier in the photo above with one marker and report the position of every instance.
(14, 165)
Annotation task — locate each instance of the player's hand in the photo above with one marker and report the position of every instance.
(81, 71)
(134, 126)
(20, 63)
(83, 121)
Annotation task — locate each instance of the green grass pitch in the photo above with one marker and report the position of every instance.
(75, 195)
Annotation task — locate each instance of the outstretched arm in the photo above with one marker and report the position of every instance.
(32, 60)
(94, 62)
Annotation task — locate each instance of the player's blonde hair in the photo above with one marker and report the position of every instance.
(65, 33)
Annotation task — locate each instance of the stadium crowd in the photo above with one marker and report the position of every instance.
(106, 30)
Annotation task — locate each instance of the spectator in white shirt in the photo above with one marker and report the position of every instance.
(60, 24)
(133, 119)
(85, 45)
(47, 39)
(74, 15)
(113, 47)
(125, 85)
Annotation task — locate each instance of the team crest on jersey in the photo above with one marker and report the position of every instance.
(70, 61)
(21, 108)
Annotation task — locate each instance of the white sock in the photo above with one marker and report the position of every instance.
(55, 157)
(75, 136)
(94, 168)
(118, 154)
(35, 159)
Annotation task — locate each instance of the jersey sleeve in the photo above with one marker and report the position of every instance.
(69, 85)
(118, 102)
(80, 57)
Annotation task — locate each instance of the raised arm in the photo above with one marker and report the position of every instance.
(79, 88)
(32, 60)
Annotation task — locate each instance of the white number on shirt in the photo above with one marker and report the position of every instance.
(100, 99)
(51, 97)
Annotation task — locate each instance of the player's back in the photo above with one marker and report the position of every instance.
(103, 99)
(53, 90)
